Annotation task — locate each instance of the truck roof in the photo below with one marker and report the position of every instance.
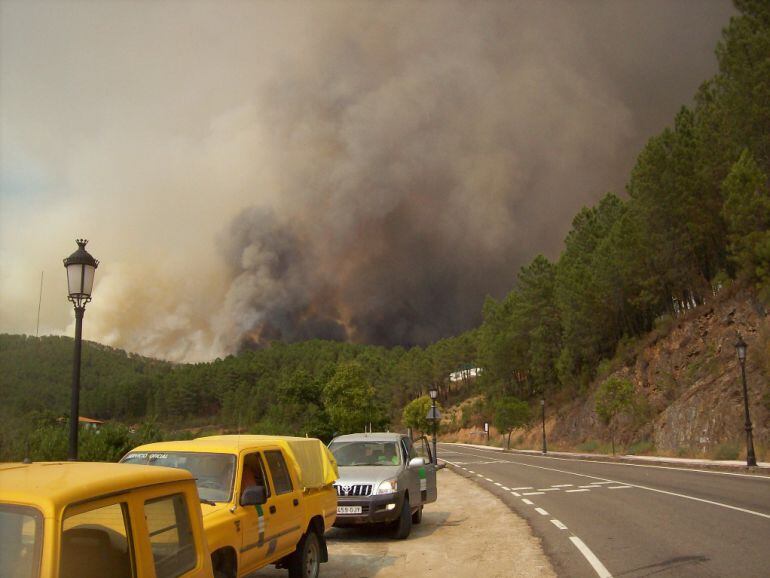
(54, 485)
(370, 436)
(316, 464)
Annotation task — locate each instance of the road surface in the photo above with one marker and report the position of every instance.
(613, 519)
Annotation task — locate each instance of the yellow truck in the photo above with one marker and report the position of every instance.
(96, 520)
(265, 499)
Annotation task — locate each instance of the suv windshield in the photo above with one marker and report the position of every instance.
(213, 472)
(366, 453)
(21, 539)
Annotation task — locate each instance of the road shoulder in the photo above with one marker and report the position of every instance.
(466, 532)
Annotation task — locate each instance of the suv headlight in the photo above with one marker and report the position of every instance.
(388, 487)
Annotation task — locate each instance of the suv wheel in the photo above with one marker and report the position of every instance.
(417, 516)
(306, 560)
(404, 523)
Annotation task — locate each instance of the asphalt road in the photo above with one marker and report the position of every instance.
(611, 519)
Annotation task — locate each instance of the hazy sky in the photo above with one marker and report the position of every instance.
(355, 170)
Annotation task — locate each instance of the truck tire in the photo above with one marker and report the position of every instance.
(417, 516)
(306, 560)
(404, 523)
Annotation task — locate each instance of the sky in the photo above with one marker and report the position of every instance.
(363, 171)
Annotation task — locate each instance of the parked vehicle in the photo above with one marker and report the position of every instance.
(384, 478)
(265, 499)
(97, 520)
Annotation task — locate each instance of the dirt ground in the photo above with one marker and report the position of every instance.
(466, 532)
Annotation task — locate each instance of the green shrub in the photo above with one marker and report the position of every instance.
(644, 447)
(588, 446)
(726, 451)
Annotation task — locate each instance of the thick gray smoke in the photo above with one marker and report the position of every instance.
(428, 151)
(368, 170)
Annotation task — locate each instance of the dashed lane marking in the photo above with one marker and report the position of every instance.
(488, 479)
(561, 485)
(506, 488)
(595, 563)
(533, 493)
(517, 494)
(617, 487)
(498, 484)
(480, 475)
(578, 490)
(558, 524)
(528, 502)
(548, 489)
(542, 512)
(649, 489)
(523, 488)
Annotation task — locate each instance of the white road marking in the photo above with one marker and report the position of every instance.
(526, 501)
(548, 489)
(517, 494)
(617, 487)
(523, 488)
(471, 472)
(591, 557)
(591, 486)
(581, 490)
(558, 524)
(506, 489)
(561, 485)
(542, 512)
(533, 493)
(480, 475)
(488, 479)
(498, 484)
(685, 496)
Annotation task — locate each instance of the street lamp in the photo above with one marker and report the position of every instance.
(741, 347)
(542, 404)
(81, 267)
(433, 392)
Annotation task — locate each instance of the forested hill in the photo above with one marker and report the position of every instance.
(695, 220)
(314, 387)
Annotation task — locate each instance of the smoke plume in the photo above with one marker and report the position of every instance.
(348, 170)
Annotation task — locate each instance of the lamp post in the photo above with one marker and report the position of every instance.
(433, 392)
(542, 405)
(741, 347)
(81, 267)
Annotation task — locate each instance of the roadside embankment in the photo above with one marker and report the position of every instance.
(466, 532)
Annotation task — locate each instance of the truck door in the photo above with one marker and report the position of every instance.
(284, 509)
(427, 475)
(252, 519)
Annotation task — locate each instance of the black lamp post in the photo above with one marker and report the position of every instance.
(433, 392)
(741, 347)
(81, 267)
(542, 404)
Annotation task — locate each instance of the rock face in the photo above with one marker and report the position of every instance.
(688, 387)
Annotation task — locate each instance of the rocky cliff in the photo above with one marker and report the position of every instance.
(687, 382)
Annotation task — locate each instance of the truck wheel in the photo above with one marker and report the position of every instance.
(306, 560)
(417, 516)
(404, 524)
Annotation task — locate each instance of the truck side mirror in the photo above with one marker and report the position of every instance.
(416, 462)
(253, 496)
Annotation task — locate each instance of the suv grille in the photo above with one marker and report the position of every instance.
(353, 489)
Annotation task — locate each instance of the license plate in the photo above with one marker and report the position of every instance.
(348, 509)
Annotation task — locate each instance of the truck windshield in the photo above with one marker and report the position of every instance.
(368, 453)
(213, 472)
(21, 540)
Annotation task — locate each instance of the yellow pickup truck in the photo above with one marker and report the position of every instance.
(265, 499)
(95, 520)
